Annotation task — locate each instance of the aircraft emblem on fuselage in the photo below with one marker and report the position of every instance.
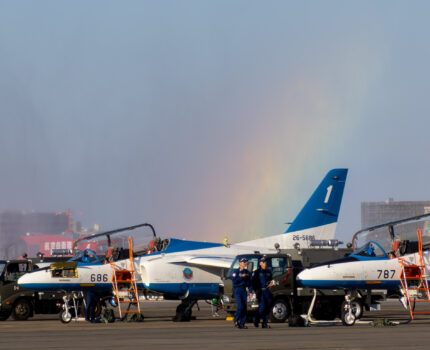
(188, 273)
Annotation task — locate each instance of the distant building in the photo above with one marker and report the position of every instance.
(374, 213)
(15, 224)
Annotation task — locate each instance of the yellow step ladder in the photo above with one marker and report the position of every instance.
(414, 280)
(124, 281)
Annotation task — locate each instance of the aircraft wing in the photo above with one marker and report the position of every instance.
(209, 261)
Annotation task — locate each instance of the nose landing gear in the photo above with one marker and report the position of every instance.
(351, 310)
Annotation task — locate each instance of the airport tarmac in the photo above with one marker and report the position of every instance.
(207, 332)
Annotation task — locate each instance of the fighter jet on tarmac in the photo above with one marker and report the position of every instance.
(191, 270)
(370, 267)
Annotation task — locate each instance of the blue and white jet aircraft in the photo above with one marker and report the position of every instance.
(191, 270)
(368, 267)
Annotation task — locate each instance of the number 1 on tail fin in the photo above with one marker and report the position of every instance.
(327, 197)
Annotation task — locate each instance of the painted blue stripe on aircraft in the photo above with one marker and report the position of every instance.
(324, 205)
(350, 284)
(200, 290)
(196, 290)
(367, 258)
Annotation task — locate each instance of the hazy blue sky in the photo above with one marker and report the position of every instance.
(211, 118)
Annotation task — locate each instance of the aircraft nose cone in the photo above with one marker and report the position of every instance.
(302, 275)
(307, 277)
(30, 280)
(24, 280)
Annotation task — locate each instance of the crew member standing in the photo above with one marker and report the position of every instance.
(261, 282)
(241, 281)
(91, 301)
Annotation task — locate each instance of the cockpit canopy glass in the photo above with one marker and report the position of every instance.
(371, 249)
(115, 243)
(396, 230)
(85, 256)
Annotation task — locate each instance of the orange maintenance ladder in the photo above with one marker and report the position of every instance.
(124, 281)
(414, 280)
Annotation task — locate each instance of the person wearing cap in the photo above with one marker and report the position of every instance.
(262, 280)
(241, 282)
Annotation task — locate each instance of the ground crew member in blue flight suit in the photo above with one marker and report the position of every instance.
(241, 282)
(91, 301)
(262, 280)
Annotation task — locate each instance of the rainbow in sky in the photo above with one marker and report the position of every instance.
(261, 184)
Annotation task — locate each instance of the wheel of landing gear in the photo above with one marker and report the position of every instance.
(97, 310)
(347, 314)
(357, 309)
(182, 315)
(65, 316)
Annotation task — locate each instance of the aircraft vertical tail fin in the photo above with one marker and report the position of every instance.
(324, 205)
(317, 219)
